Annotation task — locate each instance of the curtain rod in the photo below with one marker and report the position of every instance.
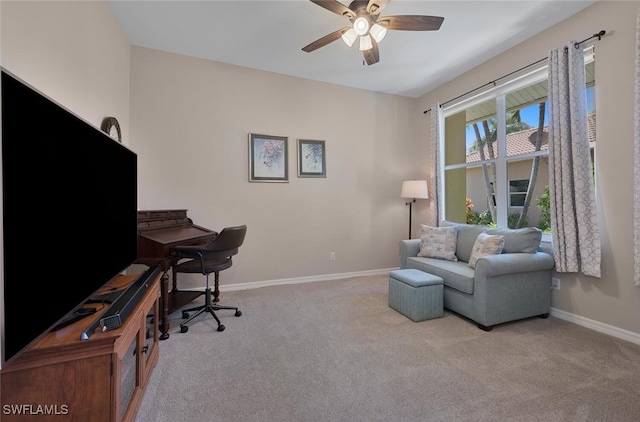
(599, 36)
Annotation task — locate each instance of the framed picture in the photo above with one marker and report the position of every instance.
(268, 158)
(312, 158)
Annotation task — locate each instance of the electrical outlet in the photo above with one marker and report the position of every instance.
(332, 256)
(555, 283)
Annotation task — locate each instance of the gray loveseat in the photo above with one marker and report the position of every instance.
(512, 285)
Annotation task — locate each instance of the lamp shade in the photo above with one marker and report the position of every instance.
(416, 189)
(365, 43)
(378, 32)
(349, 37)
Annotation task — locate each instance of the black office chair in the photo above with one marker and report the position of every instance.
(206, 259)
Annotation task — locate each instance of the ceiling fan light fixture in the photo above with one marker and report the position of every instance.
(366, 24)
(365, 43)
(361, 25)
(378, 32)
(349, 37)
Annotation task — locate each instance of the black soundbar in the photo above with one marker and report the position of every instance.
(122, 306)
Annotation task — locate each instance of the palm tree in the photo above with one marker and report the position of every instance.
(488, 179)
(534, 167)
(513, 124)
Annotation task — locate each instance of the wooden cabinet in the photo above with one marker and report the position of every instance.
(63, 378)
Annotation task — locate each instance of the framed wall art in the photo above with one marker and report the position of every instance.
(312, 161)
(268, 158)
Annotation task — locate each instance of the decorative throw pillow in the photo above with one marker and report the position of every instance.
(486, 244)
(438, 242)
(524, 240)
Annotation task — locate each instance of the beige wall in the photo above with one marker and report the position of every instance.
(611, 300)
(73, 52)
(190, 124)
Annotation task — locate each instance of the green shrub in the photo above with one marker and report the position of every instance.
(544, 205)
(512, 221)
(484, 218)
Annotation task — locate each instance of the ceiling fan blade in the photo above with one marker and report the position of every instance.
(336, 7)
(375, 6)
(411, 22)
(321, 42)
(372, 56)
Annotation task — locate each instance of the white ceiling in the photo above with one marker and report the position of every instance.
(269, 35)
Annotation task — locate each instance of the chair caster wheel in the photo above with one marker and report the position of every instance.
(220, 327)
(185, 315)
(184, 329)
(238, 313)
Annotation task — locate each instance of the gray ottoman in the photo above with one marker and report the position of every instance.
(416, 294)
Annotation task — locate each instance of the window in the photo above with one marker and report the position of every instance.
(495, 153)
(518, 192)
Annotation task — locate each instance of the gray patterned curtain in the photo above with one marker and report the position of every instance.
(636, 163)
(434, 181)
(576, 237)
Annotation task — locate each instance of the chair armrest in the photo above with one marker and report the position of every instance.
(512, 263)
(190, 251)
(408, 248)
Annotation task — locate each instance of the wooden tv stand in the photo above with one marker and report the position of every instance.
(63, 378)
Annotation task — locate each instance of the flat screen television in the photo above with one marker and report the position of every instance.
(69, 196)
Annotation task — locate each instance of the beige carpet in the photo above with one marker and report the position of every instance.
(335, 351)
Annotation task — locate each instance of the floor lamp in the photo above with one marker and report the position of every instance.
(413, 189)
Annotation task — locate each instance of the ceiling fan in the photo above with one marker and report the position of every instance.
(368, 26)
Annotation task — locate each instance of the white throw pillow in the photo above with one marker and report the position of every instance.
(486, 244)
(438, 242)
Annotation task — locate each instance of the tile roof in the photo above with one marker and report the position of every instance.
(522, 142)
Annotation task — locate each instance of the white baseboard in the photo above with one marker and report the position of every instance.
(298, 280)
(597, 326)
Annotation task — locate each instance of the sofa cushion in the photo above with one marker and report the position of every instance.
(467, 235)
(456, 275)
(438, 242)
(524, 240)
(486, 244)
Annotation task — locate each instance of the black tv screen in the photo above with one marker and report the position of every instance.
(69, 195)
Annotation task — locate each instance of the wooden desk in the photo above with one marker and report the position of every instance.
(159, 232)
(63, 378)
